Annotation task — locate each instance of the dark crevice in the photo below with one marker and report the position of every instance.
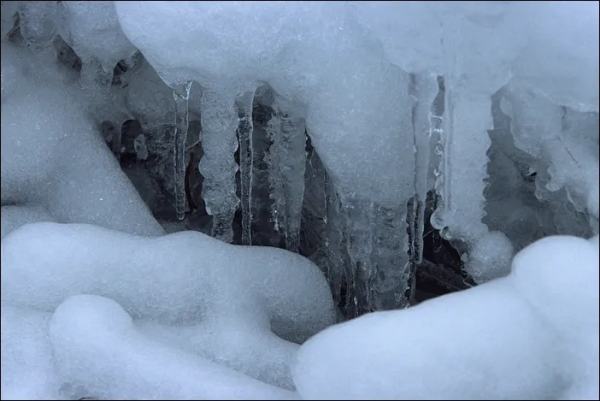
(441, 270)
(66, 55)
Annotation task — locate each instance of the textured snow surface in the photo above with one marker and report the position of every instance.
(529, 335)
(149, 149)
(54, 158)
(27, 363)
(216, 300)
(86, 329)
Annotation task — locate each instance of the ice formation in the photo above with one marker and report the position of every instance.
(404, 149)
(304, 67)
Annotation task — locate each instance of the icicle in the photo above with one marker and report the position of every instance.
(219, 123)
(378, 267)
(359, 225)
(288, 162)
(460, 214)
(340, 270)
(423, 89)
(468, 117)
(181, 95)
(245, 134)
(390, 262)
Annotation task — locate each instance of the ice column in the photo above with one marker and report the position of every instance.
(423, 89)
(464, 171)
(218, 166)
(468, 117)
(287, 164)
(181, 95)
(245, 134)
(374, 263)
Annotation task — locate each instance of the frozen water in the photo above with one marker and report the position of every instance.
(219, 123)
(287, 163)
(328, 56)
(245, 134)
(181, 94)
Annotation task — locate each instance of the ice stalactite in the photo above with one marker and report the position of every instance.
(460, 213)
(423, 90)
(392, 266)
(367, 243)
(359, 246)
(181, 95)
(468, 117)
(245, 136)
(287, 164)
(262, 227)
(365, 253)
(218, 166)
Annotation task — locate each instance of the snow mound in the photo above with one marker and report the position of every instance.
(44, 263)
(222, 302)
(97, 348)
(533, 334)
(15, 216)
(27, 362)
(39, 164)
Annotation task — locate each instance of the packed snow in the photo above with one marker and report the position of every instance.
(377, 143)
(530, 335)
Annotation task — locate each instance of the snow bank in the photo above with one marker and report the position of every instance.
(27, 361)
(215, 300)
(533, 334)
(97, 348)
(55, 157)
(44, 263)
(15, 216)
